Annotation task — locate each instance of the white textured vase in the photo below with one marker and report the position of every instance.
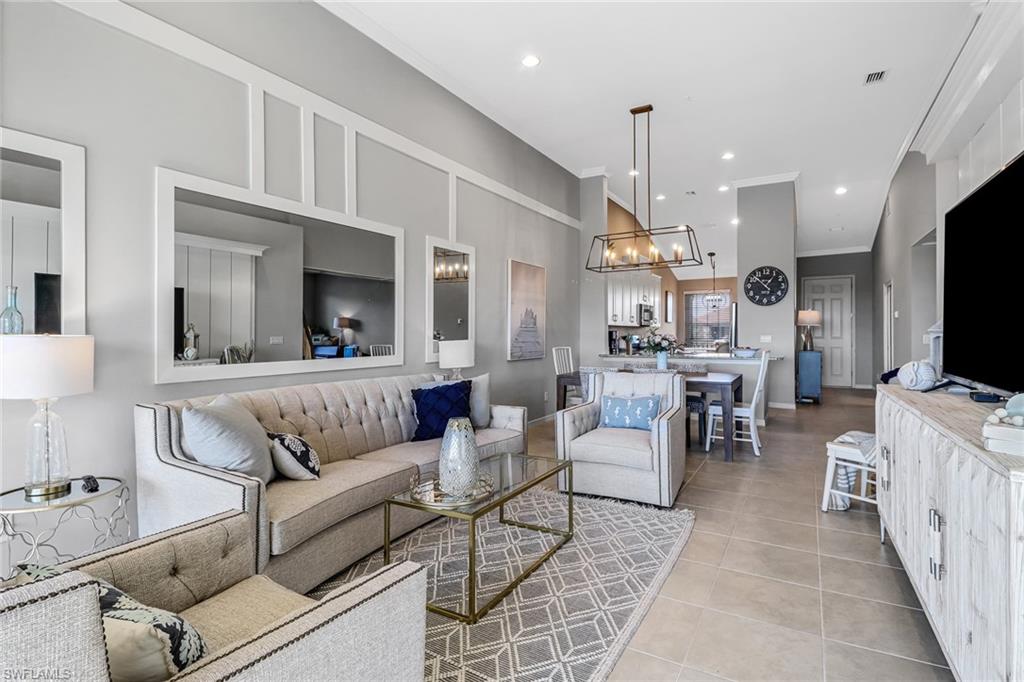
(459, 466)
(662, 358)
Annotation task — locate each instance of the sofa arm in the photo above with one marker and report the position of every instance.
(371, 629)
(510, 417)
(668, 443)
(51, 629)
(172, 490)
(573, 422)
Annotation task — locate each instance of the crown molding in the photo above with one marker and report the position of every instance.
(766, 179)
(834, 252)
(992, 35)
(593, 172)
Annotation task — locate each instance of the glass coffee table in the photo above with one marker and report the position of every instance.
(513, 475)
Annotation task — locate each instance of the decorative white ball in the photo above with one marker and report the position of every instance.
(1017, 420)
(992, 419)
(1007, 420)
(1015, 405)
(1001, 412)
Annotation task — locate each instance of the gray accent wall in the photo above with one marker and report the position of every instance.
(861, 267)
(767, 236)
(908, 216)
(593, 297)
(134, 107)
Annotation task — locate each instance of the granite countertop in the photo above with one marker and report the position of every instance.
(705, 356)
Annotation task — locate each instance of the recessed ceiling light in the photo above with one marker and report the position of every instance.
(735, 221)
(723, 188)
(660, 197)
(840, 191)
(530, 61)
(633, 172)
(727, 156)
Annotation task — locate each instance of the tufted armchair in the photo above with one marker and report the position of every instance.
(630, 464)
(370, 628)
(307, 531)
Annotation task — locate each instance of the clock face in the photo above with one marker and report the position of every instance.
(766, 285)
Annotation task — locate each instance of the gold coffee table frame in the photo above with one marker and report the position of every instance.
(505, 492)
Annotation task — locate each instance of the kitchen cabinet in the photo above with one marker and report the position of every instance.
(955, 514)
(626, 291)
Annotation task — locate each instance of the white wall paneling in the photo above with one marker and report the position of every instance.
(262, 83)
(72, 212)
(167, 181)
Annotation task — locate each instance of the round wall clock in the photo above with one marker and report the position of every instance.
(766, 285)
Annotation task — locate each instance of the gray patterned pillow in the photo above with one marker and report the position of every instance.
(143, 643)
(293, 457)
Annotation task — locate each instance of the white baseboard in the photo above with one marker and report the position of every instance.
(869, 387)
(783, 406)
(545, 418)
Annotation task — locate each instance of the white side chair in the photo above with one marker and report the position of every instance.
(562, 356)
(849, 453)
(380, 349)
(745, 413)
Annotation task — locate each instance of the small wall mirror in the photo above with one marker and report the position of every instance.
(42, 235)
(451, 293)
(260, 289)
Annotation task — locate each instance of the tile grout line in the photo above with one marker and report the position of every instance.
(821, 605)
(886, 653)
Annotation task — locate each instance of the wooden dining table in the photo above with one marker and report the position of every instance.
(726, 385)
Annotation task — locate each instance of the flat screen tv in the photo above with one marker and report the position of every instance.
(983, 313)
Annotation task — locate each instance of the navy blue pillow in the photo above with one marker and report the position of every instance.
(435, 406)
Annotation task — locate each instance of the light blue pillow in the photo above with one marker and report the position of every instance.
(630, 411)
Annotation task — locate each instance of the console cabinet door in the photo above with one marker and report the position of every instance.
(885, 435)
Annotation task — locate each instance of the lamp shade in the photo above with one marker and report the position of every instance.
(35, 366)
(342, 323)
(808, 318)
(455, 354)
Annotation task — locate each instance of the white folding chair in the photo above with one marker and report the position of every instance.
(745, 413)
(378, 349)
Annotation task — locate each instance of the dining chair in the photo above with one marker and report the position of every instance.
(562, 356)
(745, 413)
(378, 349)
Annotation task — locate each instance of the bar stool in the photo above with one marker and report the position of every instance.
(849, 453)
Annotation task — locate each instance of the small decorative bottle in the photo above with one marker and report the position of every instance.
(11, 320)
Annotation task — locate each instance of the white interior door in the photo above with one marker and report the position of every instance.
(833, 298)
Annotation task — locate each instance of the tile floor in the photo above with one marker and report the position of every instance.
(771, 588)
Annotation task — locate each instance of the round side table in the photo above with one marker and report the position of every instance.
(115, 525)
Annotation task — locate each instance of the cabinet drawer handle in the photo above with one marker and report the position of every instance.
(935, 565)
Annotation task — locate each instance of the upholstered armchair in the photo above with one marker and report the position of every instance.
(372, 628)
(630, 464)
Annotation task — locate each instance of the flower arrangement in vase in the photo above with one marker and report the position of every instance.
(660, 345)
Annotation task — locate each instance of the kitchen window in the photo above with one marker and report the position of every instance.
(707, 317)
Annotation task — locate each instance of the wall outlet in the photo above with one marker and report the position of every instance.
(545, 396)
(766, 338)
(276, 340)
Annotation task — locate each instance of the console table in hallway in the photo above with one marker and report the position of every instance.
(728, 386)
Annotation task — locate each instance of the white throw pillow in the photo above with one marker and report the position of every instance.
(224, 434)
(479, 398)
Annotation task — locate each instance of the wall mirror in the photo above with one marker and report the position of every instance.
(42, 235)
(253, 285)
(451, 293)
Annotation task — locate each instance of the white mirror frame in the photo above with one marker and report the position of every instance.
(428, 328)
(72, 219)
(166, 372)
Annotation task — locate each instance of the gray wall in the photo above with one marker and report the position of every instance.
(593, 297)
(923, 295)
(135, 106)
(278, 273)
(767, 236)
(451, 310)
(370, 302)
(861, 267)
(908, 216)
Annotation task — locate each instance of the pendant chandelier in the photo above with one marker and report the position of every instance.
(637, 249)
(450, 266)
(713, 300)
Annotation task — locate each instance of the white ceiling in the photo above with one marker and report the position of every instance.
(778, 84)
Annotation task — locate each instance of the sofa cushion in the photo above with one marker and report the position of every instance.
(298, 510)
(242, 610)
(630, 412)
(623, 447)
(425, 453)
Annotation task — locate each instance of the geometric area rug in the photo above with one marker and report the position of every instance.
(572, 618)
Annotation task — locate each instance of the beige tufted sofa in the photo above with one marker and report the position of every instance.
(371, 628)
(630, 464)
(307, 531)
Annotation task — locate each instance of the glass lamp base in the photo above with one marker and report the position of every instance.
(47, 491)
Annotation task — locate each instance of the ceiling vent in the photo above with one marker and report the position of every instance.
(874, 77)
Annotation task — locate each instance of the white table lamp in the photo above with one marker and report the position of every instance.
(43, 368)
(455, 355)
(808, 319)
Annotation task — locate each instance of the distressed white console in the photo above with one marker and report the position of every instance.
(955, 514)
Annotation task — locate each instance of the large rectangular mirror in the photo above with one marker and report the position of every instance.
(261, 285)
(451, 293)
(42, 235)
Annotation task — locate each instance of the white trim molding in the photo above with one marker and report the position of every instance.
(834, 252)
(165, 369)
(203, 242)
(766, 179)
(782, 406)
(72, 218)
(261, 82)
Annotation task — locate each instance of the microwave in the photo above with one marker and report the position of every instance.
(644, 314)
